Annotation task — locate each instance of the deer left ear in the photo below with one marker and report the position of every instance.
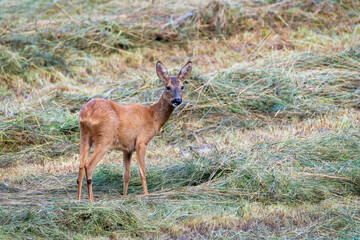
(185, 71)
(162, 72)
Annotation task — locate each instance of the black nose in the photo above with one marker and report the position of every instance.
(176, 101)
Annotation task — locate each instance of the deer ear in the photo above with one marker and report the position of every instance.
(185, 71)
(162, 72)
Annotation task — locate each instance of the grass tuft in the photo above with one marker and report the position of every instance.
(265, 145)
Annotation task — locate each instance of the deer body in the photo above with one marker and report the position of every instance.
(125, 125)
(106, 124)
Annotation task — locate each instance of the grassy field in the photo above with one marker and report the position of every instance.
(265, 146)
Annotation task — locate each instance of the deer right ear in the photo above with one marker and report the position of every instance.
(162, 72)
(185, 71)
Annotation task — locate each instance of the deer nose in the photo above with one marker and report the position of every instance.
(176, 101)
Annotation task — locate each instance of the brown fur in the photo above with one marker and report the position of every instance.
(129, 128)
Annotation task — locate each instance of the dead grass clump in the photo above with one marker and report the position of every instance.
(301, 86)
(41, 131)
(166, 218)
(210, 192)
(269, 172)
(260, 171)
(11, 62)
(285, 172)
(68, 221)
(190, 172)
(58, 46)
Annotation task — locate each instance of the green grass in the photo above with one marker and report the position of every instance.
(271, 172)
(265, 146)
(232, 94)
(201, 188)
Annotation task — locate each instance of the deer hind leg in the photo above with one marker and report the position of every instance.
(126, 162)
(85, 144)
(96, 157)
(141, 151)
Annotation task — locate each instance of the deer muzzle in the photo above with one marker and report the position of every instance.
(176, 102)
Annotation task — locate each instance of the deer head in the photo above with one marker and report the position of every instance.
(174, 87)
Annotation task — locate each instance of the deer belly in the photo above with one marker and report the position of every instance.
(120, 145)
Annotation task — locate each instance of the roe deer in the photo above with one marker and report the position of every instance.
(126, 127)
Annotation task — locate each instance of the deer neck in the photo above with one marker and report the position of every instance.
(162, 112)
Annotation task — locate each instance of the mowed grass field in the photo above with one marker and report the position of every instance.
(266, 144)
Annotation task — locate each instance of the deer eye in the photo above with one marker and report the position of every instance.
(168, 88)
(182, 87)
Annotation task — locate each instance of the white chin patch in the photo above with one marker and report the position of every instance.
(175, 105)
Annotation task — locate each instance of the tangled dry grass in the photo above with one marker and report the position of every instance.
(265, 146)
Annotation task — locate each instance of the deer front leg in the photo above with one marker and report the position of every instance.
(126, 162)
(141, 151)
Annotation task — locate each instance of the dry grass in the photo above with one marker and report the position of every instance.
(266, 145)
